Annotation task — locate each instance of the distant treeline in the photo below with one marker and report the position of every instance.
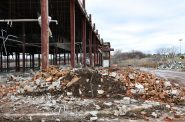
(129, 55)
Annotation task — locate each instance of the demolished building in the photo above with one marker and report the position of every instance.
(36, 33)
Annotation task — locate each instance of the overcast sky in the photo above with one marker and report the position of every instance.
(143, 25)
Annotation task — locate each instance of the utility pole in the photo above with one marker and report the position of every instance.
(180, 40)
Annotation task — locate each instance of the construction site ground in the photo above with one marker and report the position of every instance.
(86, 94)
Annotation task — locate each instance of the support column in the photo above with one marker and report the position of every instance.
(84, 40)
(1, 61)
(109, 59)
(44, 34)
(95, 51)
(30, 61)
(18, 61)
(84, 4)
(59, 57)
(72, 31)
(68, 57)
(64, 57)
(33, 62)
(7, 62)
(90, 46)
(77, 58)
(23, 47)
(39, 60)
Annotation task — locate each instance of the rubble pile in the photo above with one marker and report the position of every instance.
(99, 83)
(172, 66)
(149, 87)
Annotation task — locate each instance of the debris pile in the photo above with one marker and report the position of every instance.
(172, 66)
(101, 83)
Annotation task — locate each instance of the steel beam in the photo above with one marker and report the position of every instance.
(72, 32)
(84, 40)
(44, 34)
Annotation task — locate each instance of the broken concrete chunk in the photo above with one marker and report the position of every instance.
(122, 110)
(93, 113)
(133, 91)
(157, 82)
(113, 74)
(38, 82)
(131, 76)
(69, 93)
(116, 113)
(174, 92)
(100, 92)
(108, 103)
(28, 88)
(97, 107)
(93, 118)
(167, 84)
(49, 79)
(154, 114)
(126, 100)
(139, 88)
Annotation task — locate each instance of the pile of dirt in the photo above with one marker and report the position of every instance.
(99, 83)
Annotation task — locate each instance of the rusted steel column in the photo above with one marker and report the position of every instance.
(44, 34)
(109, 59)
(64, 57)
(1, 61)
(18, 61)
(30, 61)
(97, 57)
(90, 46)
(84, 4)
(84, 40)
(72, 32)
(33, 62)
(68, 58)
(95, 52)
(39, 60)
(59, 57)
(7, 63)
(23, 47)
(15, 61)
(77, 58)
(101, 59)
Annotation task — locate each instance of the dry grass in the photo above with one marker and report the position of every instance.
(145, 62)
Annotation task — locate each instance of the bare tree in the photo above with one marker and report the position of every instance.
(117, 56)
